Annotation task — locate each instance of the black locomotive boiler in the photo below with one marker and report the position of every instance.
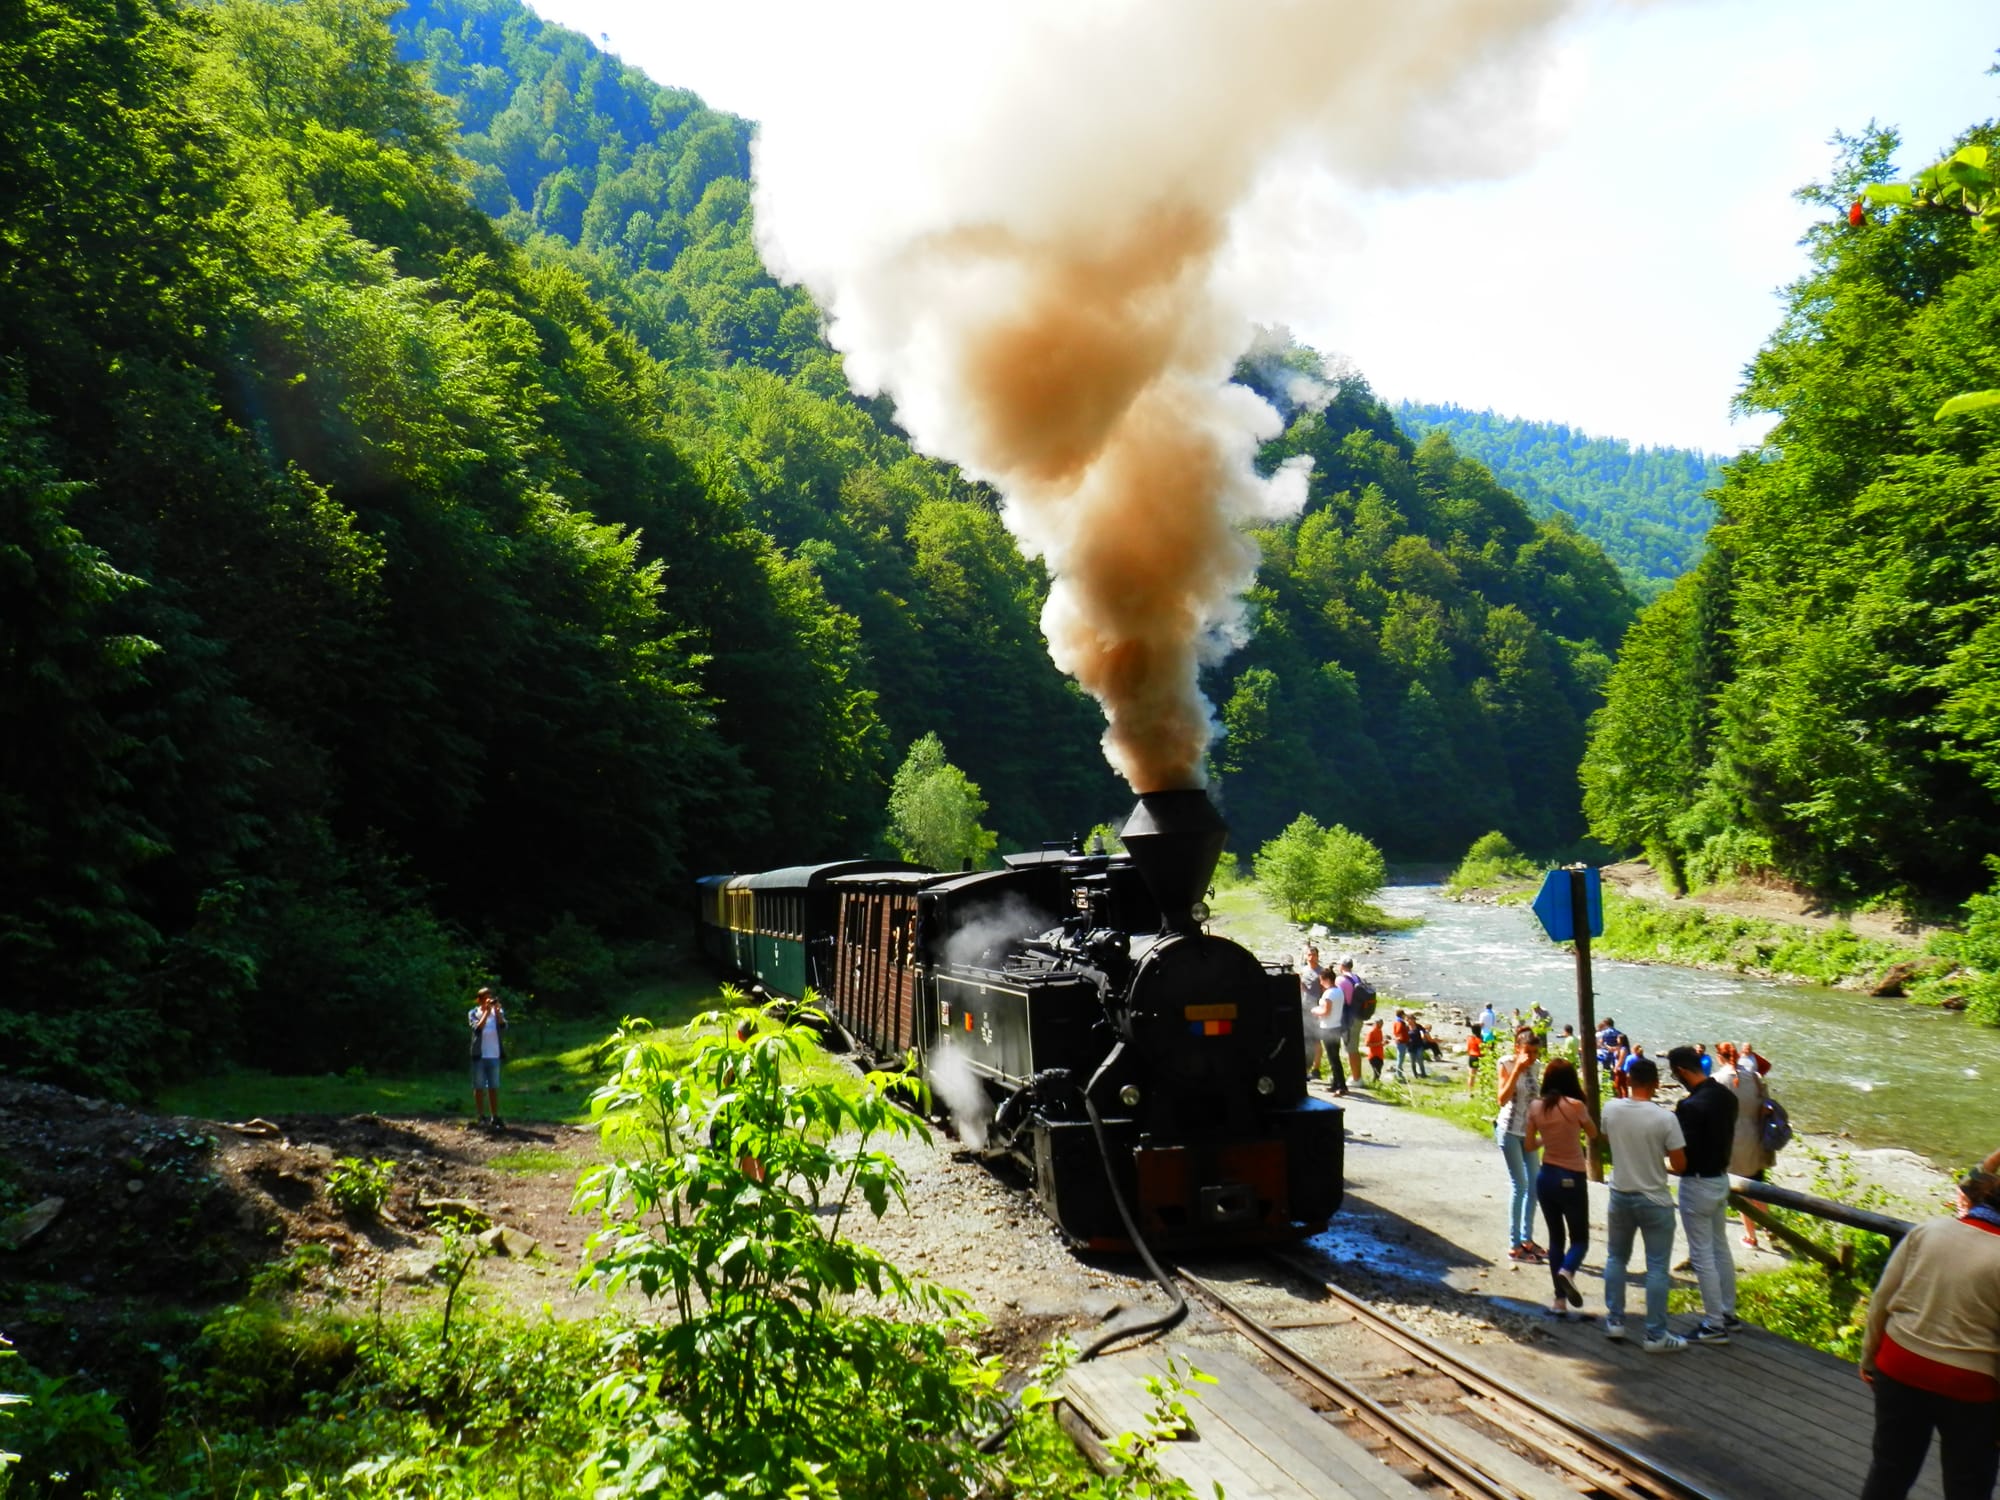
(1077, 1017)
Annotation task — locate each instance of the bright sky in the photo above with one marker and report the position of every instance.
(1619, 280)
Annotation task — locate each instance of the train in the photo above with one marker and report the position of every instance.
(1148, 1076)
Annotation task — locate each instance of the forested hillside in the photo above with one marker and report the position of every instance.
(1426, 653)
(399, 594)
(1649, 508)
(1819, 697)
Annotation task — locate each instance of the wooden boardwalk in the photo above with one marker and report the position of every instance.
(1246, 1433)
(1760, 1419)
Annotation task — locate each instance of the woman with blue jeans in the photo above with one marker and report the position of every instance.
(1510, 1129)
(1559, 1121)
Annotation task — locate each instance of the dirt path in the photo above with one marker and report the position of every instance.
(153, 1214)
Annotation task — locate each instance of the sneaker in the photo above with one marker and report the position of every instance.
(1567, 1287)
(498, 1123)
(1709, 1333)
(1666, 1343)
(1731, 1322)
(1614, 1328)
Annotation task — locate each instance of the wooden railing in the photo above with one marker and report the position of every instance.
(1750, 1196)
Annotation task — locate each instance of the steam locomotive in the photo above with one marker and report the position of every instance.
(1148, 1076)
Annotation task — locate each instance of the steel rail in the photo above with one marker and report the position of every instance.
(1420, 1446)
(1645, 1476)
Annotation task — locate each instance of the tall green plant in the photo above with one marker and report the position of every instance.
(732, 1178)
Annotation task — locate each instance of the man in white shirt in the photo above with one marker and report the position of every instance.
(1645, 1141)
(487, 1020)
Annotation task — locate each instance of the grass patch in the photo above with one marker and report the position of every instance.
(1441, 1095)
(553, 1065)
(1652, 933)
(533, 1160)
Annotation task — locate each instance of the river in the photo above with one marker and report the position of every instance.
(1886, 1072)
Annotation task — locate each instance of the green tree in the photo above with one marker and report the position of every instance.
(1350, 871)
(934, 811)
(1320, 874)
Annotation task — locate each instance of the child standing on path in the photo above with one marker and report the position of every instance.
(1374, 1044)
(1474, 1048)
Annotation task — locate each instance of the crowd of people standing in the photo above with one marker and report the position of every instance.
(1932, 1348)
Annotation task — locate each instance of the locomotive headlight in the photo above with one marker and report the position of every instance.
(1266, 1087)
(1199, 911)
(1129, 1096)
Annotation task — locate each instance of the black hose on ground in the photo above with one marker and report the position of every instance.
(1168, 1319)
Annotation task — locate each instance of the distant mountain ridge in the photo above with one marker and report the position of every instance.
(1647, 507)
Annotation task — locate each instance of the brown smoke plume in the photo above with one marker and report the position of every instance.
(1046, 289)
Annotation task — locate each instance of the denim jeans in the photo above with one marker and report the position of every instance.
(1636, 1213)
(1566, 1208)
(1705, 1220)
(1521, 1165)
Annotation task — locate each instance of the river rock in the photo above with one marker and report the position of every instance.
(1896, 978)
(413, 1266)
(512, 1243)
(19, 1230)
(463, 1209)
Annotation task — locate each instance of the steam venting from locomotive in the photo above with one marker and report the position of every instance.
(1053, 264)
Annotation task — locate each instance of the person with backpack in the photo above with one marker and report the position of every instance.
(1747, 1156)
(1357, 1008)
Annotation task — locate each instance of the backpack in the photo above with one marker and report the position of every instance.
(1364, 999)
(1775, 1132)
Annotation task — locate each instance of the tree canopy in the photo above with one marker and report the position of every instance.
(1648, 508)
(1818, 699)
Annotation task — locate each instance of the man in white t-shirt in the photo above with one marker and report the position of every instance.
(1645, 1142)
(487, 1020)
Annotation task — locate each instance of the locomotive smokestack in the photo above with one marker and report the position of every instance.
(1175, 839)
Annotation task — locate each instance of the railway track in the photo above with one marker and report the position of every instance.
(1444, 1422)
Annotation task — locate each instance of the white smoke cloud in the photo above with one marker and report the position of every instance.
(963, 1095)
(1048, 250)
(984, 940)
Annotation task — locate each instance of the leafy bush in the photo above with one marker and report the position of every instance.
(730, 1207)
(1322, 874)
(360, 1187)
(73, 1442)
(1979, 950)
(571, 969)
(1492, 860)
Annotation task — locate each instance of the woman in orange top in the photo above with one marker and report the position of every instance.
(1559, 1122)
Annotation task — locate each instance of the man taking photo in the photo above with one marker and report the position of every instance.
(488, 1020)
